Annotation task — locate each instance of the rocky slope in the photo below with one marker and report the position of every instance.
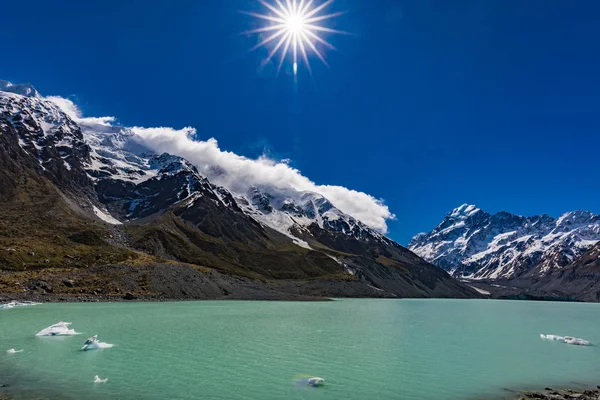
(581, 277)
(473, 244)
(579, 281)
(85, 203)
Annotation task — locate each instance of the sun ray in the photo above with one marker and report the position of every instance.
(307, 7)
(320, 40)
(298, 27)
(324, 29)
(295, 66)
(300, 7)
(272, 52)
(274, 9)
(267, 17)
(317, 9)
(283, 9)
(285, 50)
(305, 56)
(265, 29)
(314, 48)
(267, 40)
(324, 17)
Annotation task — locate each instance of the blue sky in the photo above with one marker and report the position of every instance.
(431, 104)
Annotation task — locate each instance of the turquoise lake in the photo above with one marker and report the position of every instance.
(364, 349)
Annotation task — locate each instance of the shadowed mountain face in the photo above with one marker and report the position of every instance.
(87, 205)
(578, 281)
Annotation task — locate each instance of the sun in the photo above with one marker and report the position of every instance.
(295, 24)
(296, 28)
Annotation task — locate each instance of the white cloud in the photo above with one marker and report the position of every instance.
(69, 108)
(238, 173)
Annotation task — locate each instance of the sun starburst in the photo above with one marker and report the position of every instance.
(295, 27)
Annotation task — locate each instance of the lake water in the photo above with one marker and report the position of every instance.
(365, 349)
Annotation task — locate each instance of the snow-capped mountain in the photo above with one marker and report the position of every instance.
(161, 205)
(46, 133)
(131, 182)
(473, 244)
(22, 89)
(294, 213)
(128, 177)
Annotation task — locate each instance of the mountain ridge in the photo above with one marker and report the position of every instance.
(474, 244)
(121, 206)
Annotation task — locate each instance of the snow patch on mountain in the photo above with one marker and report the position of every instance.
(295, 213)
(106, 217)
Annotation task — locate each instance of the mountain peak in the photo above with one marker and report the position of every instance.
(472, 243)
(577, 217)
(24, 89)
(464, 210)
(169, 164)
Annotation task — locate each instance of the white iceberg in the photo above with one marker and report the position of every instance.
(316, 381)
(59, 329)
(13, 351)
(567, 339)
(552, 337)
(98, 380)
(13, 304)
(577, 341)
(94, 344)
(25, 303)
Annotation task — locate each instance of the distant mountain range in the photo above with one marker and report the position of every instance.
(87, 211)
(527, 252)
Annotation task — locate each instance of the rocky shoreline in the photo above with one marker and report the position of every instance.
(176, 281)
(153, 282)
(546, 394)
(563, 394)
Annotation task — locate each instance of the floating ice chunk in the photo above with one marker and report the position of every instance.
(13, 304)
(13, 351)
(25, 303)
(98, 380)
(94, 344)
(553, 337)
(316, 381)
(576, 341)
(567, 339)
(59, 329)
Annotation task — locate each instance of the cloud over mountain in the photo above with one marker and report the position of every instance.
(236, 172)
